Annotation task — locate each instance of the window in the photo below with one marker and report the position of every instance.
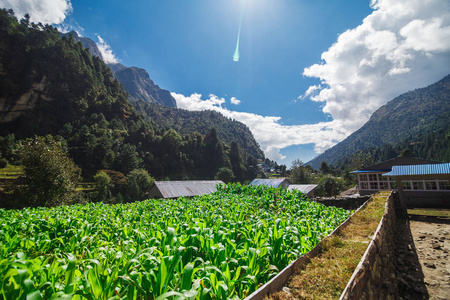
(393, 185)
(373, 177)
(444, 185)
(418, 185)
(431, 185)
(384, 186)
(363, 177)
(406, 185)
(374, 185)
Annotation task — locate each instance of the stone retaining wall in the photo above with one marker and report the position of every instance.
(374, 277)
(343, 202)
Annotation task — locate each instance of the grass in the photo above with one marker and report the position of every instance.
(9, 177)
(326, 276)
(442, 213)
(11, 172)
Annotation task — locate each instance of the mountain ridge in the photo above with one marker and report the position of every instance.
(408, 115)
(136, 81)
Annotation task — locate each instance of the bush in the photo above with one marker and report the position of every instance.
(139, 182)
(330, 186)
(50, 174)
(225, 174)
(102, 182)
(3, 163)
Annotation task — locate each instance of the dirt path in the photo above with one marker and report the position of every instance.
(423, 266)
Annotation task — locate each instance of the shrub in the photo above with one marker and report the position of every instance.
(49, 173)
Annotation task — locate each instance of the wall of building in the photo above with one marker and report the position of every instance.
(375, 278)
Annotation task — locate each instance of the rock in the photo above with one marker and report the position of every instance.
(436, 246)
(432, 282)
(430, 265)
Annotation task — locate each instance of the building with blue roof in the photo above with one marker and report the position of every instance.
(419, 182)
(370, 179)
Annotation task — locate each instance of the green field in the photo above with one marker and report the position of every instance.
(218, 246)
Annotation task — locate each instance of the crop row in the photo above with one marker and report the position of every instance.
(220, 246)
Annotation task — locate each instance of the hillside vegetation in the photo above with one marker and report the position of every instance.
(52, 85)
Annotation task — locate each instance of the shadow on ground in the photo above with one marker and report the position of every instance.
(409, 273)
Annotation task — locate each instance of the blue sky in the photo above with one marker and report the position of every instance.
(310, 72)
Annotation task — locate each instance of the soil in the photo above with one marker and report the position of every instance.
(423, 266)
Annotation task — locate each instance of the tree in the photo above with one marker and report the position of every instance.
(300, 174)
(331, 186)
(50, 174)
(406, 152)
(139, 182)
(236, 162)
(102, 182)
(324, 167)
(225, 174)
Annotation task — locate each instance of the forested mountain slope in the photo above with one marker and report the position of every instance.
(52, 85)
(407, 119)
(144, 94)
(186, 122)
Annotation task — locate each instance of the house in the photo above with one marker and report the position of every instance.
(186, 188)
(422, 185)
(307, 189)
(276, 183)
(370, 179)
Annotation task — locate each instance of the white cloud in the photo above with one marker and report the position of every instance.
(44, 11)
(106, 51)
(401, 46)
(268, 132)
(235, 101)
(310, 91)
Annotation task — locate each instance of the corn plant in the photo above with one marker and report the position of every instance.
(218, 246)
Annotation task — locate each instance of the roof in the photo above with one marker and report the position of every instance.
(371, 171)
(387, 165)
(304, 188)
(430, 169)
(187, 188)
(269, 182)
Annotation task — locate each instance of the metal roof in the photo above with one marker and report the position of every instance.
(399, 161)
(187, 188)
(269, 182)
(304, 188)
(430, 169)
(371, 171)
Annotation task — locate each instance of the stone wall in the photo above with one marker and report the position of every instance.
(374, 277)
(343, 202)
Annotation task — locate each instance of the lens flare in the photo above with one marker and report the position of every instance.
(236, 52)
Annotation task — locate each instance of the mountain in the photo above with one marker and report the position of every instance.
(410, 116)
(136, 81)
(138, 84)
(87, 43)
(52, 85)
